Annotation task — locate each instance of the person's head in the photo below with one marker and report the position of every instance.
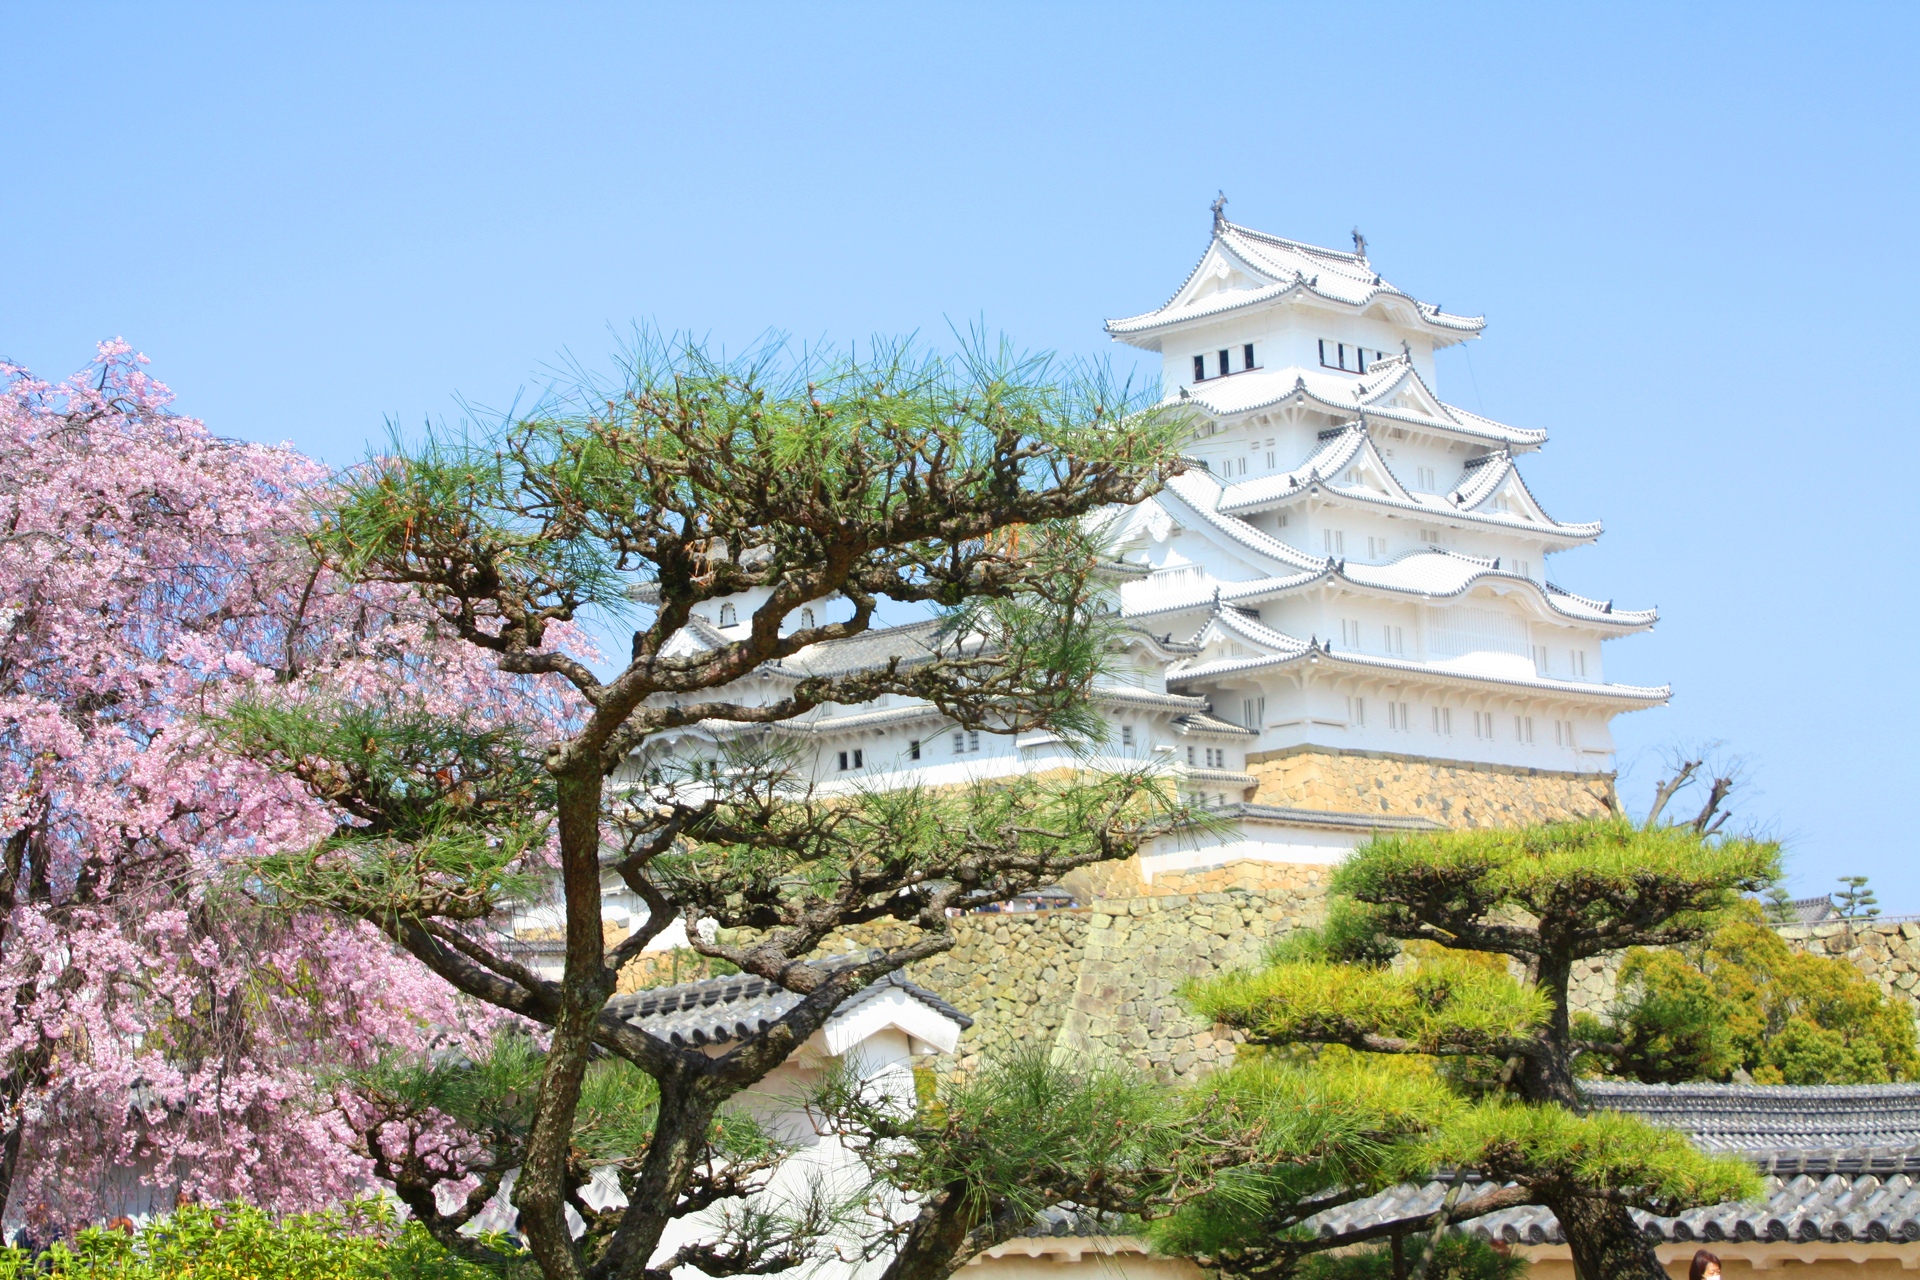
(1706, 1266)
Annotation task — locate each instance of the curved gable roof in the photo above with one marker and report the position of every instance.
(1285, 267)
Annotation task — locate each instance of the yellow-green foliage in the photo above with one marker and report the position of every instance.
(1438, 1001)
(1304, 1128)
(1746, 1000)
(238, 1242)
(1600, 1151)
(1570, 874)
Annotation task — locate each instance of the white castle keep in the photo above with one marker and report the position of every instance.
(1342, 617)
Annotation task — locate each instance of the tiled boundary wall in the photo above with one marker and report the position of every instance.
(1104, 979)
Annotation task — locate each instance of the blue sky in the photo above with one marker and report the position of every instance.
(1692, 229)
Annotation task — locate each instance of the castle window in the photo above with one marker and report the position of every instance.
(1563, 733)
(1483, 725)
(1344, 355)
(728, 615)
(1253, 711)
(1523, 567)
(1223, 364)
(1424, 477)
(1376, 548)
(1357, 712)
(1443, 721)
(1430, 536)
(1399, 716)
(973, 740)
(1540, 658)
(1279, 521)
(858, 758)
(1394, 641)
(1126, 736)
(1335, 541)
(1578, 660)
(1189, 755)
(1247, 351)
(1350, 633)
(959, 743)
(806, 617)
(913, 749)
(1199, 368)
(1523, 729)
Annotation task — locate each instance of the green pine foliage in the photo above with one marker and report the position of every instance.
(1856, 901)
(1448, 957)
(1441, 1004)
(1745, 1001)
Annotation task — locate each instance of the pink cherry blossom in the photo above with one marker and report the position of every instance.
(154, 1016)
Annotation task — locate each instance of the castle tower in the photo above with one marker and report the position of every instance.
(1341, 616)
(1361, 565)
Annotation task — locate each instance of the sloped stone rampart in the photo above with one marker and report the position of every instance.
(1456, 793)
(1104, 980)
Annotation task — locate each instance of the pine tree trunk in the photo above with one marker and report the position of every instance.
(1605, 1243)
(934, 1240)
(679, 1141)
(540, 1192)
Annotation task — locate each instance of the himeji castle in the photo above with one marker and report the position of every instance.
(1341, 618)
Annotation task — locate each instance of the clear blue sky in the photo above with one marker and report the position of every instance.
(1691, 227)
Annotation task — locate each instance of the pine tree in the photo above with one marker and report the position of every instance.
(1777, 903)
(771, 483)
(1856, 901)
(1414, 963)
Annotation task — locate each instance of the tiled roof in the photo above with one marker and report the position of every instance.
(1842, 1162)
(1345, 395)
(1206, 725)
(1284, 816)
(1758, 1119)
(1431, 572)
(1290, 266)
(1283, 649)
(912, 643)
(720, 1010)
(1836, 1207)
(1318, 474)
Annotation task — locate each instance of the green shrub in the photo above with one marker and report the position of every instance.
(360, 1241)
(1744, 1000)
(1457, 1258)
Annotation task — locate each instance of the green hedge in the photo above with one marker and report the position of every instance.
(238, 1242)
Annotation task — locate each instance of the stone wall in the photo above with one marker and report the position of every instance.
(1104, 979)
(1455, 793)
(1888, 951)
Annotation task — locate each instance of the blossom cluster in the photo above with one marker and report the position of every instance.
(160, 1017)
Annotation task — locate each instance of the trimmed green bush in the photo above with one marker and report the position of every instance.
(359, 1241)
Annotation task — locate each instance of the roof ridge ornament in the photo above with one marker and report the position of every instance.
(1219, 207)
(1359, 245)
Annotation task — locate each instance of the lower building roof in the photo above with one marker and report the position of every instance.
(722, 1010)
(1841, 1163)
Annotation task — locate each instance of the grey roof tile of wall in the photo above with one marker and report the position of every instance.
(721, 1010)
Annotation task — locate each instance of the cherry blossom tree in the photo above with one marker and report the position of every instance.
(157, 1013)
